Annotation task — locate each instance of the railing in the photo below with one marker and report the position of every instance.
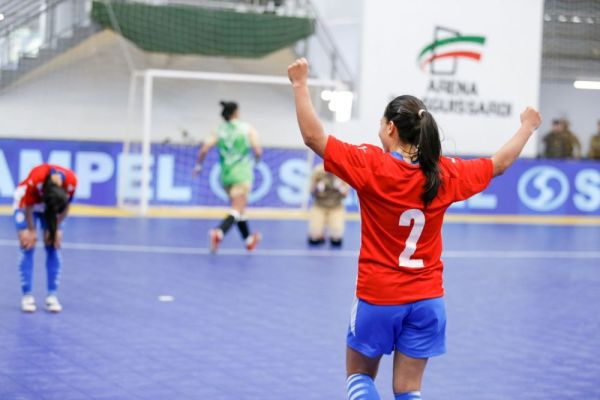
(28, 26)
(338, 68)
(281, 7)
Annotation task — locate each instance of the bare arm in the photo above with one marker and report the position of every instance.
(310, 125)
(29, 218)
(28, 236)
(530, 121)
(208, 144)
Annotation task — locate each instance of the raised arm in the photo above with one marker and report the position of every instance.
(310, 125)
(530, 121)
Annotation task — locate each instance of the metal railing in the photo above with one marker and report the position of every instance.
(28, 26)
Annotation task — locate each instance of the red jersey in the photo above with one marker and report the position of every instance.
(29, 192)
(401, 241)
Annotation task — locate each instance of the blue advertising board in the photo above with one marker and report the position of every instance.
(105, 172)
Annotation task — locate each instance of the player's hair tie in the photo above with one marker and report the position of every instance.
(420, 113)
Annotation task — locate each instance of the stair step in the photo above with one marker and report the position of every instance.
(27, 63)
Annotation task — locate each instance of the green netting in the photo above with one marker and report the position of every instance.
(182, 29)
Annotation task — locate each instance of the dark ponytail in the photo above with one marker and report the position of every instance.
(229, 108)
(416, 126)
(55, 201)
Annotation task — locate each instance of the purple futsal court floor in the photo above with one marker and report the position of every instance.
(523, 315)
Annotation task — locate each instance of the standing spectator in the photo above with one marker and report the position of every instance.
(328, 211)
(574, 145)
(560, 143)
(594, 152)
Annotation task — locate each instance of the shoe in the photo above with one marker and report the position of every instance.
(252, 241)
(52, 304)
(315, 242)
(215, 237)
(28, 304)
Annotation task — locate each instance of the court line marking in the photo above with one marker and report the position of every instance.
(132, 248)
(82, 210)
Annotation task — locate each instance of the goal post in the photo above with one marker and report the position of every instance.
(148, 78)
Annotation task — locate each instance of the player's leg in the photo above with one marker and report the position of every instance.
(337, 224)
(370, 335)
(25, 262)
(53, 269)
(216, 235)
(408, 374)
(421, 336)
(316, 226)
(239, 202)
(360, 375)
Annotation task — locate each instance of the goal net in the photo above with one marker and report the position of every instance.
(172, 112)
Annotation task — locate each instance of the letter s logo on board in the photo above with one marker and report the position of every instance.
(543, 188)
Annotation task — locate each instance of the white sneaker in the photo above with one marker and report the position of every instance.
(52, 304)
(28, 304)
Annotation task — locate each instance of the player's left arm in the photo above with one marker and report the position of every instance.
(208, 144)
(310, 126)
(507, 154)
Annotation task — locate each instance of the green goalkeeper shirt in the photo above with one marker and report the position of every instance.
(234, 152)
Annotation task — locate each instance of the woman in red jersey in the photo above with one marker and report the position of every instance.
(42, 198)
(404, 191)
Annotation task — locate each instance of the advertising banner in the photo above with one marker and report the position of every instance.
(529, 187)
(475, 64)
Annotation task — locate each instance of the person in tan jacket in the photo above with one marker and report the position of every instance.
(327, 213)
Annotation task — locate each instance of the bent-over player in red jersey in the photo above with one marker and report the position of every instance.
(404, 191)
(43, 197)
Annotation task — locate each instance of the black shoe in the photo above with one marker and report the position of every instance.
(337, 243)
(315, 242)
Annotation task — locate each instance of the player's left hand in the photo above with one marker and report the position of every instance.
(298, 72)
(197, 170)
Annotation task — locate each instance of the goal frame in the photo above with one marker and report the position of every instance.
(148, 76)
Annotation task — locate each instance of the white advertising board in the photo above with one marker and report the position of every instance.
(475, 64)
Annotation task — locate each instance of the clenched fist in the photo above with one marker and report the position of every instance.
(531, 118)
(298, 72)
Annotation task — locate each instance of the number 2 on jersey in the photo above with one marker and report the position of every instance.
(411, 242)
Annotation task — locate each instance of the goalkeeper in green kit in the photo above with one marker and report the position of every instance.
(234, 140)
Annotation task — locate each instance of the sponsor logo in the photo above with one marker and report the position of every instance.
(543, 188)
(449, 46)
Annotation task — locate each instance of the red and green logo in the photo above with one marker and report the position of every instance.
(448, 46)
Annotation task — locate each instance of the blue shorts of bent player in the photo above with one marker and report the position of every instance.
(416, 329)
(21, 221)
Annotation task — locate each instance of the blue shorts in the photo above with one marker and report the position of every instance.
(21, 221)
(416, 329)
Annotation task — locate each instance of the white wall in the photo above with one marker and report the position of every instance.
(580, 107)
